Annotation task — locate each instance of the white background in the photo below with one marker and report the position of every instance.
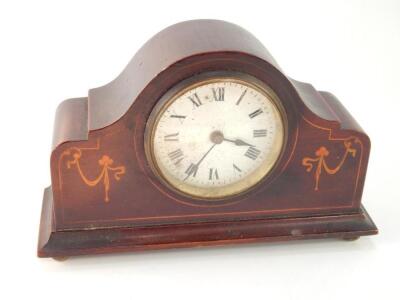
(50, 51)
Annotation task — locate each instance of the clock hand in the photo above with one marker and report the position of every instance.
(238, 142)
(196, 166)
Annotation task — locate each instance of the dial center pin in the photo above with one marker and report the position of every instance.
(217, 137)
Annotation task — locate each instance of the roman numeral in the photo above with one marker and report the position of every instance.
(195, 100)
(176, 156)
(191, 170)
(213, 174)
(177, 116)
(259, 133)
(219, 94)
(252, 153)
(241, 97)
(236, 168)
(173, 137)
(255, 113)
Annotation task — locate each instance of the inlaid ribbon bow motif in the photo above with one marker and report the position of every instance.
(105, 163)
(321, 164)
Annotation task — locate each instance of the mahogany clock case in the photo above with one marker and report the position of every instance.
(105, 196)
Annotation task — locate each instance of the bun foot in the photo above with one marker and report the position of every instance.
(60, 258)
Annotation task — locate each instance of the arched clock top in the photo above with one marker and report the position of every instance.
(166, 48)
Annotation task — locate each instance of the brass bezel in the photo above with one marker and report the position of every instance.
(231, 190)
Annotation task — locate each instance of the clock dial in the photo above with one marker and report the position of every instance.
(217, 137)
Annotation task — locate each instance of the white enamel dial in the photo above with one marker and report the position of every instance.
(217, 137)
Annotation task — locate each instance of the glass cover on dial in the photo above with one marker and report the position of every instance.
(216, 138)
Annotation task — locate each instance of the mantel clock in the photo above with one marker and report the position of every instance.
(202, 140)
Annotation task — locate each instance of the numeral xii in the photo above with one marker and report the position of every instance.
(219, 94)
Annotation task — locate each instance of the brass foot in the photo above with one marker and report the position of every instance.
(60, 258)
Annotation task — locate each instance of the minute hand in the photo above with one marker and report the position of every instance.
(238, 142)
(196, 166)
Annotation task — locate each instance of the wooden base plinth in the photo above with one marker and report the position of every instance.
(95, 241)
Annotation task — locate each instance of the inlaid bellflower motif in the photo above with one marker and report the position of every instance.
(320, 160)
(106, 170)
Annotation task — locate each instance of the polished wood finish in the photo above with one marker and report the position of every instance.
(105, 198)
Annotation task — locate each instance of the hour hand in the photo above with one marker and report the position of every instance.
(192, 169)
(238, 142)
